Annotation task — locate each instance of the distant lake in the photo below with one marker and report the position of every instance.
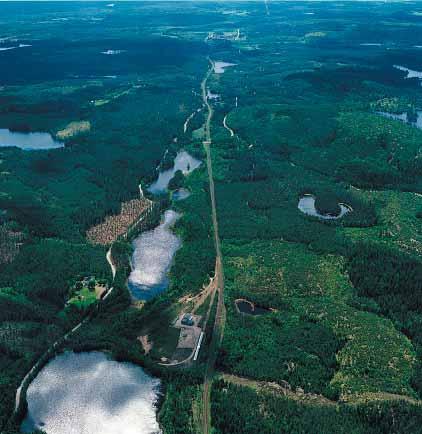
(411, 73)
(404, 118)
(91, 393)
(28, 141)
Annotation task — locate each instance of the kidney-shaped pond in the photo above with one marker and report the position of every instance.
(306, 204)
(248, 308)
(90, 393)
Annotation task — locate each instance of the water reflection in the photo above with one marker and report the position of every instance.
(220, 67)
(184, 162)
(28, 141)
(307, 206)
(181, 194)
(404, 118)
(152, 257)
(90, 393)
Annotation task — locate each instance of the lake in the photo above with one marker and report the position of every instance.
(28, 141)
(153, 250)
(404, 118)
(184, 162)
(411, 73)
(90, 393)
(152, 257)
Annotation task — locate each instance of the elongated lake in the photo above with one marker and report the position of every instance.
(89, 393)
(28, 141)
(152, 257)
(153, 250)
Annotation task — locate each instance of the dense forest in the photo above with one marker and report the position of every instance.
(318, 101)
(238, 409)
(343, 321)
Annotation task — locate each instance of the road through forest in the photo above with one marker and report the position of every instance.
(217, 333)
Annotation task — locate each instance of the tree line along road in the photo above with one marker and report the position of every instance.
(218, 329)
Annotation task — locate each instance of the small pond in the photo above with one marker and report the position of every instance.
(28, 141)
(91, 393)
(152, 257)
(220, 67)
(248, 308)
(307, 206)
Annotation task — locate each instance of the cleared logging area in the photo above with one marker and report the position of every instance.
(117, 225)
(10, 241)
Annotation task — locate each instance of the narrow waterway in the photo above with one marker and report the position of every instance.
(189, 118)
(227, 127)
(90, 393)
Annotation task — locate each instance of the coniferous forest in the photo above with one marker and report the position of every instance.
(299, 231)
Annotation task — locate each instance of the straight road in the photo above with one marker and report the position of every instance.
(218, 328)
